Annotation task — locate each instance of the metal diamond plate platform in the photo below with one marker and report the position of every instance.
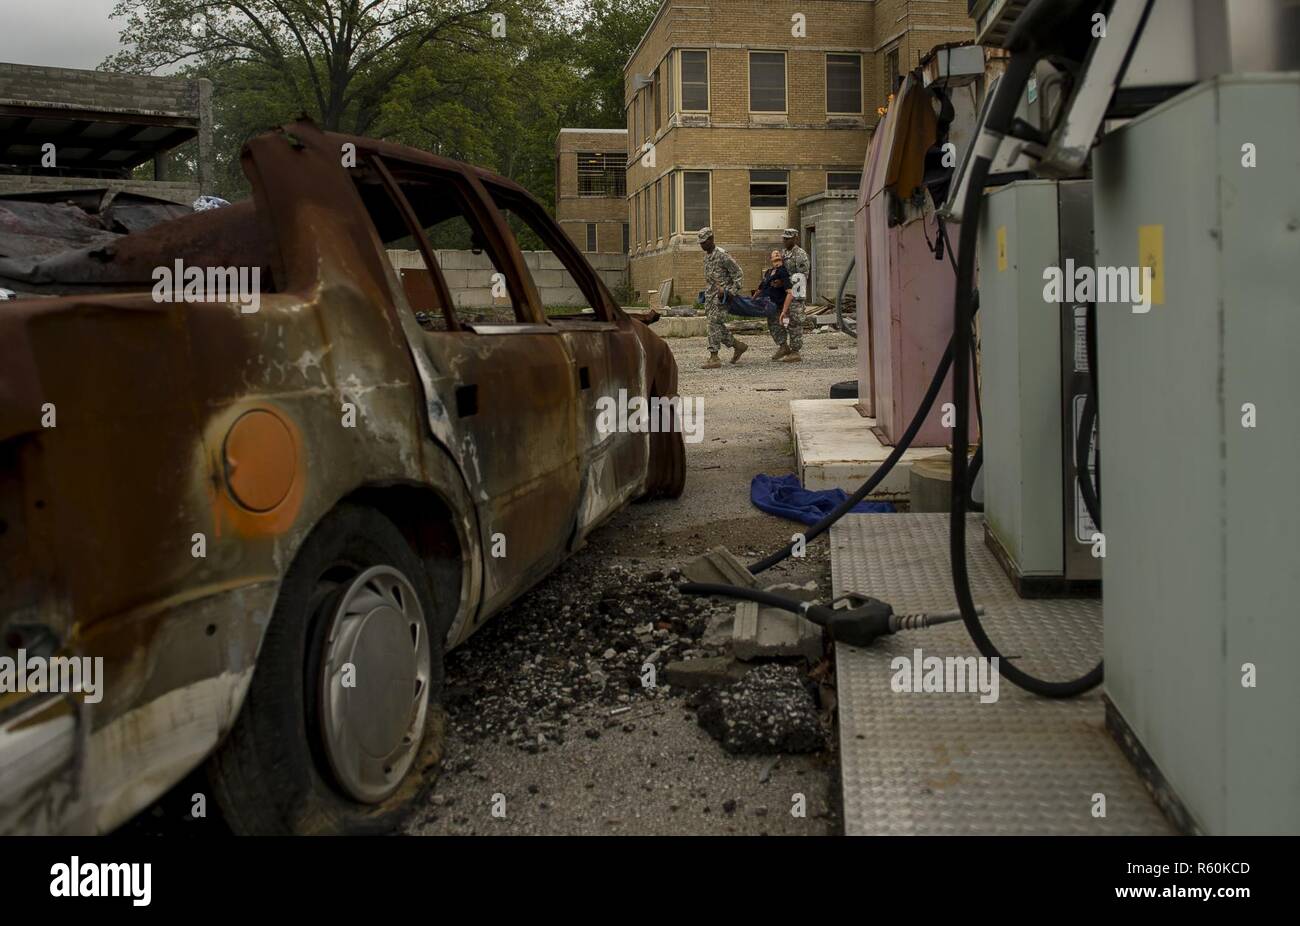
(945, 763)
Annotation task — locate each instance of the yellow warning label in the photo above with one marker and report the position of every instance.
(1151, 253)
(1002, 248)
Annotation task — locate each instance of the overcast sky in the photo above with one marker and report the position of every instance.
(58, 33)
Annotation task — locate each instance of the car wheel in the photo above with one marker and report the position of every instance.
(342, 722)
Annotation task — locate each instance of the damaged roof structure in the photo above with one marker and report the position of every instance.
(64, 130)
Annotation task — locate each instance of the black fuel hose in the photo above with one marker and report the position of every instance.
(844, 507)
(958, 356)
(1089, 489)
(1000, 115)
(903, 443)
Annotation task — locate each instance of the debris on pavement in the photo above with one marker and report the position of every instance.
(579, 638)
(771, 710)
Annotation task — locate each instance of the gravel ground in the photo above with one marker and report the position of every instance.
(551, 726)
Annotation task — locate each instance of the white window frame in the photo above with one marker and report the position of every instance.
(749, 93)
(862, 96)
(845, 171)
(708, 81)
(681, 193)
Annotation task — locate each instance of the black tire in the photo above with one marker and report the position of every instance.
(848, 389)
(270, 775)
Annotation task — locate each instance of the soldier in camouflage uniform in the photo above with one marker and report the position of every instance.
(722, 278)
(789, 340)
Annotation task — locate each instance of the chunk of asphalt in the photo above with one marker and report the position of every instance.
(770, 711)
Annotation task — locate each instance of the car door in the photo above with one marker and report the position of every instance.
(610, 361)
(504, 386)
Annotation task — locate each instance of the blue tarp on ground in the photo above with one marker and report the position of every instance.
(784, 496)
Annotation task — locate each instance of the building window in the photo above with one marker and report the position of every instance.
(645, 215)
(844, 84)
(843, 180)
(659, 209)
(658, 112)
(695, 81)
(769, 202)
(601, 174)
(627, 233)
(591, 237)
(767, 81)
(695, 200)
(891, 70)
(668, 84)
(636, 217)
(672, 205)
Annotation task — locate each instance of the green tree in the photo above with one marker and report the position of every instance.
(427, 73)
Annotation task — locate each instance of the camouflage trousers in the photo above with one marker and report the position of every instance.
(794, 334)
(718, 333)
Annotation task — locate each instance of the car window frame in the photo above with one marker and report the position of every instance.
(479, 210)
(539, 221)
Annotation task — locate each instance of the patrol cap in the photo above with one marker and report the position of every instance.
(705, 234)
(789, 233)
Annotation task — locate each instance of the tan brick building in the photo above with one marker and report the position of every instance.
(590, 188)
(738, 109)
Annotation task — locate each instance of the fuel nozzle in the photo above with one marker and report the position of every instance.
(852, 618)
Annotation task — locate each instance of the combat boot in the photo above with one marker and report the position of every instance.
(712, 363)
(780, 352)
(792, 357)
(740, 348)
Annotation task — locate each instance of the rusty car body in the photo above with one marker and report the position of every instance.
(215, 502)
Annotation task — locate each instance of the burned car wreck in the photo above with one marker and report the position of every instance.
(270, 524)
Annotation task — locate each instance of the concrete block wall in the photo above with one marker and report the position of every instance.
(831, 215)
(173, 191)
(74, 88)
(469, 275)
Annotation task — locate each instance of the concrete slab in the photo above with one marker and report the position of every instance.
(762, 632)
(835, 448)
(705, 672)
(669, 327)
(719, 565)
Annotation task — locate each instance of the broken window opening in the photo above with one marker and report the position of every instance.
(565, 282)
(470, 283)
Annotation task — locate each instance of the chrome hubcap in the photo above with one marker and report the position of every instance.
(374, 683)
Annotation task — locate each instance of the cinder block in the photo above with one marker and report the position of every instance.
(455, 260)
(563, 296)
(545, 279)
(478, 279)
(763, 632)
(473, 298)
(456, 279)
